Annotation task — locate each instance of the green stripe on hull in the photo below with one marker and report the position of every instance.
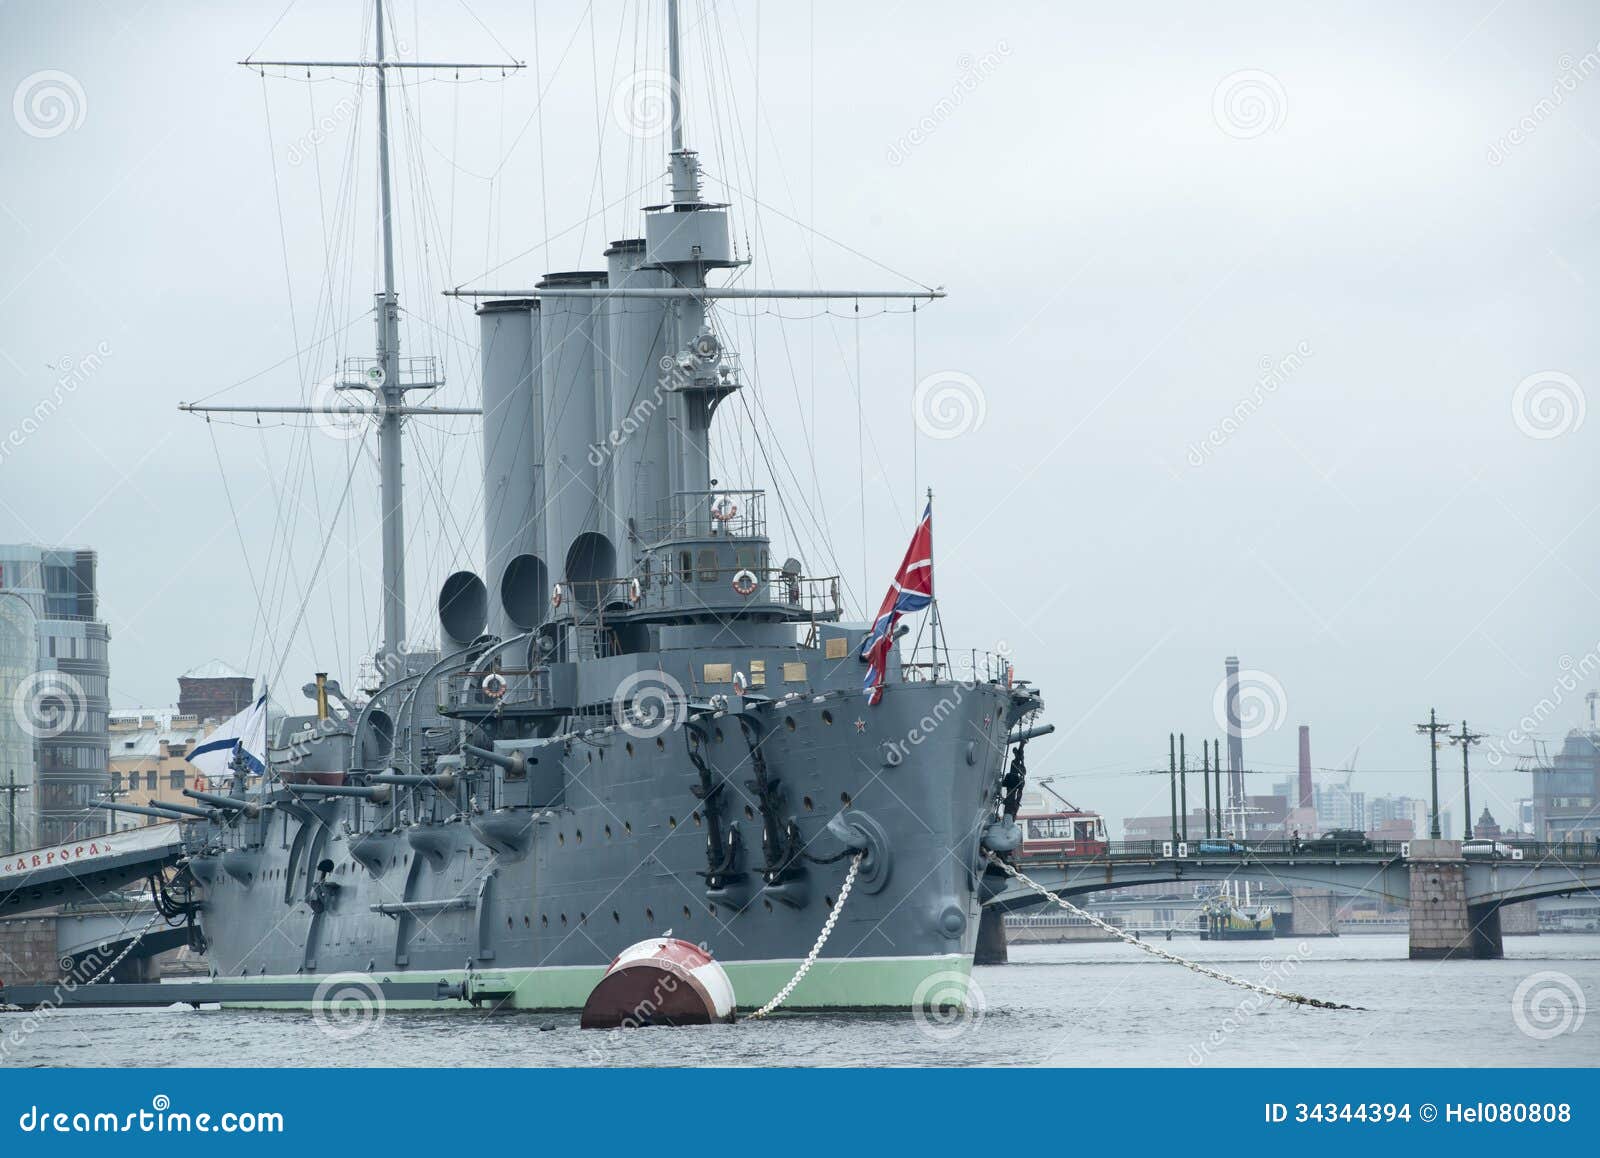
(852, 983)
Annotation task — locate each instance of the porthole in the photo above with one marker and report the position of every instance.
(827, 900)
(627, 828)
(661, 745)
(649, 914)
(827, 716)
(696, 815)
(788, 722)
(686, 912)
(672, 822)
(561, 838)
(629, 747)
(563, 920)
(544, 921)
(616, 917)
(766, 904)
(807, 802)
(577, 833)
(718, 735)
(608, 832)
(749, 813)
(844, 799)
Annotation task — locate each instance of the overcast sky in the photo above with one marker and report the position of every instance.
(1269, 331)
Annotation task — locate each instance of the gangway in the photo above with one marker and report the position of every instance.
(87, 869)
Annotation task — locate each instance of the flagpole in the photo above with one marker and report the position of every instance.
(936, 632)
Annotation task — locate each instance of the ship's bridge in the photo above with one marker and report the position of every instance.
(704, 556)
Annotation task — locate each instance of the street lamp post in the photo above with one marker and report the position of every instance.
(1432, 729)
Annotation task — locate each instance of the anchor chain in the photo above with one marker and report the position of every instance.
(816, 950)
(129, 948)
(1192, 966)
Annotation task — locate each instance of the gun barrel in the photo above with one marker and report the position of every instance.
(231, 803)
(514, 762)
(444, 780)
(140, 810)
(1032, 733)
(377, 793)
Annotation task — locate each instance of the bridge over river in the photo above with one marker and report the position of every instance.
(1454, 899)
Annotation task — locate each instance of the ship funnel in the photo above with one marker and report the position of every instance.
(513, 456)
(463, 608)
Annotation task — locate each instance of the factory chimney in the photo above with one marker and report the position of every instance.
(1307, 797)
(1236, 796)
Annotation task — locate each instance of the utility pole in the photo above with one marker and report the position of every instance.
(1183, 787)
(1466, 739)
(1216, 772)
(12, 790)
(1432, 729)
(1172, 775)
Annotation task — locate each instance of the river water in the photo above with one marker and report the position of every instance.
(1061, 1005)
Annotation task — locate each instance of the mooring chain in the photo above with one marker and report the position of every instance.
(1193, 966)
(131, 946)
(816, 950)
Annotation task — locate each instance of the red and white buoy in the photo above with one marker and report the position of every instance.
(662, 981)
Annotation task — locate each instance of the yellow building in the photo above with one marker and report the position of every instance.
(148, 750)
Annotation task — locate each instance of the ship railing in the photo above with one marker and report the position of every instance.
(971, 667)
(417, 372)
(474, 689)
(738, 514)
(1201, 846)
(721, 590)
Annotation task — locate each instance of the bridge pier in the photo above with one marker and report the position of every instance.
(1315, 913)
(991, 947)
(1443, 924)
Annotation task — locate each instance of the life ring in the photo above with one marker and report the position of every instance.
(635, 592)
(744, 583)
(494, 685)
(724, 509)
(557, 595)
(739, 683)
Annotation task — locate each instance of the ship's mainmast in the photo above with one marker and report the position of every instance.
(384, 377)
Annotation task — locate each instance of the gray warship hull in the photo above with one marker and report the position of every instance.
(529, 900)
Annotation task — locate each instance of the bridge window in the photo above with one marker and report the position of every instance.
(686, 566)
(708, 564)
